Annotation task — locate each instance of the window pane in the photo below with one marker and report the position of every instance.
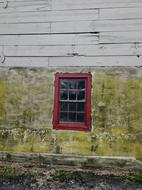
(72, 95)
(81, 95)
(72, 106)
(63, 117)
(72, 117)
(81, 84)
(64, 84)
(72, 84)
(80, 117)
(81, 106)
(64, 106)
(64, 95)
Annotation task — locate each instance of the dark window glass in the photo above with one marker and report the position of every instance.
(64, 95)
(81, 84)
(80, 117)
(72, 95)
(72, 106)
(81, 106)
(64, 84)
(64, 106)
(72, 84)
(81, 95)
(72, 117)
(63, 117)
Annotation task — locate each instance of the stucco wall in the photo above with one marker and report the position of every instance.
(26, 108)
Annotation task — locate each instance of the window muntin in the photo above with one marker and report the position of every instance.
(72, 104)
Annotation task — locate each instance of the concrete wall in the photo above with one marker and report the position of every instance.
(26, 105)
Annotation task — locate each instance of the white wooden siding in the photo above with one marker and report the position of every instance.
(73, 50)
(111, 61)
(72, 27)
(60, 33)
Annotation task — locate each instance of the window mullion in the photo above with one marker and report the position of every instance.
(76, 99)
(68, 103)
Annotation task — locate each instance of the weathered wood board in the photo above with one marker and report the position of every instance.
(49, 16)
(83, 4)
(46, 5)
(70, 50)
(75, 61)
(71, 15)
(95, 61)
(57, 39)
(72, 39)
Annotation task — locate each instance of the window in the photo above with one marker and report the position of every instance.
(72, 101)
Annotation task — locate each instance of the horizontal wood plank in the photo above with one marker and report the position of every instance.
(25, 6)
(97, 26)
(44, 28)
(37, 50)
(95, 61)
(46, 5)
(72, 27)
(76, 61)
(25, 28)
(49, 16)
(69, 50)
(116, 25)
(121, 13)
(58, 39)
(72, 39)
(84, 4)
(25, 62)
(71, 15)
(108, 49)
(120, 37)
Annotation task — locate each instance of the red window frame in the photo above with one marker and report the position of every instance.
(80, 126)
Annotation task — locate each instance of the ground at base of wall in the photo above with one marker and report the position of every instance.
(28, 176)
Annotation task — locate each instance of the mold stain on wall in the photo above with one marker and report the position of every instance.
(26, 107)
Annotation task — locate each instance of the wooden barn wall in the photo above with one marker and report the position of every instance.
(103, 37)
(62, 33)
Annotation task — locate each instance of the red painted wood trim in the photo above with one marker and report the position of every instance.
(86, 126)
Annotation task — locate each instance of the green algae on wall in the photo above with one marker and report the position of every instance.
(26, 107)
(29, 98)
(117, 100)
(3, 96)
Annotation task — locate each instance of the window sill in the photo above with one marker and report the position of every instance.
(72, 126)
